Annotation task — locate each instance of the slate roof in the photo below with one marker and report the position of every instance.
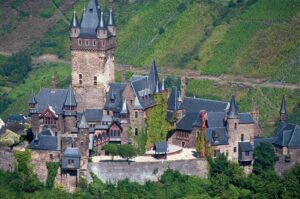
(74, 22)
(93, 115)
(115, 97)
(258, 141)
(153, 79)
(90, 20)
(70, 99)
(172, 100)
(282, 107)
(161, 147)
(83, 124)
(170, 116)
(111, 21)
(16, 118)
(44, 141)
(233, 109)
(198, 104)
(216, 136)
(245, 146)
(32, 99)
(246, 118)
(48, 97)
(141, 89)
(72, 152)
(186, 123)
(288, 136)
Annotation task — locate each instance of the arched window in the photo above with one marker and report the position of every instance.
(136, 131)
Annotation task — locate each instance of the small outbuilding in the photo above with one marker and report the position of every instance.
(161, 149)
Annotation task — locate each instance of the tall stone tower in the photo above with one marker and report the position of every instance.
(92, 44)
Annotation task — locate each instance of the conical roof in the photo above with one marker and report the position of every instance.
(90, 19)
(163, 85)
(102, 22)
(172, 100)
(137, 104)
(153, 77)
(74, 22)
(32, 99)
(70, 99)
(83, 124)
(111, 21)
(282, 107)
(233, 109)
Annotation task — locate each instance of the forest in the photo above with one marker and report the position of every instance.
(225, 180)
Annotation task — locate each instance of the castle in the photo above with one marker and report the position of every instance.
(69, 124)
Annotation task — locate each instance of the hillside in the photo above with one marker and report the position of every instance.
(250, 38)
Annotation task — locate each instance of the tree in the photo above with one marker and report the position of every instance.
(112, 149)
(127, 151)
(200, 145)
(264, 158)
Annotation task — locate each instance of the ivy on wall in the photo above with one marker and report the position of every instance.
(52, 171)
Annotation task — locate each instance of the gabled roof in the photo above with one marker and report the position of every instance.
(186, 123)
(90, 20)
(198, 104)
(140, 87)
(259, 140)
(44, 141)
(124, 107)
(245, 146)
(115, 97)
(288, 135)
(70, 99)
(47, 97)
(216, 136)
(233, 109)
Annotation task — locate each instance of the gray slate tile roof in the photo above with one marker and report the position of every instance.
(45, 140)
(153, 78)
(141, 87)
(114, 98)
(93, 115)
(161, 147)
(198, 104)
(233, 109)
(90, 20)
(245, 146)
(186, 123)
(216, 136)
(172, 100)
(47, 97)
(70, 98)
(246, 118)
(288, 136)
(259, 140)
(72, 152)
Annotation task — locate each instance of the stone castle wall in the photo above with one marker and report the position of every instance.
(143, 171)
(7, 159)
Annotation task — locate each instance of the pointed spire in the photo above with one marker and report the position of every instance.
(137, 104)
(179, 97)
(172, 100)
(83, 124)
(157, 87)
(101, 23)
(74, 22)
(111, 21)
(163, 85)
(153, 77)
(233, 109)
(70, 99)
(282, 107)
(124, 107)
(32, 99)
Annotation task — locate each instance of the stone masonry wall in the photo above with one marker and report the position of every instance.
(143, 171)
(7, 159)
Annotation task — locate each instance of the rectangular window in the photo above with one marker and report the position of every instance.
(70, 161)
(51, 156)
(216, 153)
(136, 114)
(235, 126)
(95, 80)
(234, 149)
(86, 42)
(136, 131)
(247, 153)
(242, 137)
(80, 79)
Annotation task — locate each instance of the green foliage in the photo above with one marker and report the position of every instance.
(9, 138)
(52, 171)
(200, 145)
(141, 140)
(126, 151)
(17, 67)
(49, 11)
(265, 158)
(112, 149)
(157, 126)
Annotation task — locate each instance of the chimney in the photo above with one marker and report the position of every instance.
(203, 120)
(53, 83)
(183, 87)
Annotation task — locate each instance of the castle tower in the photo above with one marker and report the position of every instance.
(282, 111)
(83, 143)
(35, 123)
(232, 125)
(70, 112)
(92, 45)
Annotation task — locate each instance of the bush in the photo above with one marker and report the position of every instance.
(264, 158)
(52, 171)
(127, 151)
(112, 149)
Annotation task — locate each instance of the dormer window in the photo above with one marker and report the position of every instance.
(91, 9)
